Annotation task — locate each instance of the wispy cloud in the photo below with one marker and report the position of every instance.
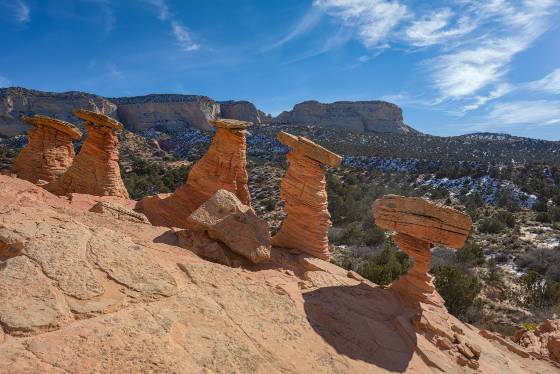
(548, 84)
(180, 32)
(17, 10)
(4, 82)
(525, 112)
(106, 14)
(184, 38)
(373, 20)
(434, 28)
(306, 23)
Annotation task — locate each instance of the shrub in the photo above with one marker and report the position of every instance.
(470, 255)
(491, 225)
(458, 288)
(540, 292)
(386, 266)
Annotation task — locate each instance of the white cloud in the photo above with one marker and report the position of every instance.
(184, 38)
(548, 84)
(16, 10)
(501, 90)
(526, 112)
(4, 82)
(373, 20)
(306, 23)
(433, 28)
(162, 8)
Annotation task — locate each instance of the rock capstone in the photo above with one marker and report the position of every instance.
(419, 223)
(49, 152)
(222, 167)
(305, 197)
(95, 170)
(236, 225)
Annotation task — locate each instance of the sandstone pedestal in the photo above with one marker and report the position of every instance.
(222, 167)
(418, 224)
(49, 152)
(95, 170)
(303, 191)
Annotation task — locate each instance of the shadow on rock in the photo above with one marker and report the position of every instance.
(360, 322)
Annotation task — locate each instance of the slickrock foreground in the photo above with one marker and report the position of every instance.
(222, 167)
(419, 223)
(305, 197)
(95, 170)
(82, 292)
(49, 152)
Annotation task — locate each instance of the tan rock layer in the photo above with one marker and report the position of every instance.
(222, 167)
(422, 219)
(310, 149)
(95, 171)
(308, 220)
(49, 152)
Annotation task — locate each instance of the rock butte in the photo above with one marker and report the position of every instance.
(419, 223)
(82, 292)
(305, 197)
(95, 170)
(49, 152)
(222, 167)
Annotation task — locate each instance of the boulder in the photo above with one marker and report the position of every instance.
(95, 171)
(236, 225)
(49, 152)
(305, 197)
(222, 167)
(543, 342)
(418, 224)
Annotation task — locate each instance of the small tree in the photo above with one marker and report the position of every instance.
(458, 289)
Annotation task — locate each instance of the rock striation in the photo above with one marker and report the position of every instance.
(49, 151)
(224, 218)
(83, 292)
(363, 116)
(95, 170)
(418, 224)
(222, 167)
(305, 197)
(543, 342)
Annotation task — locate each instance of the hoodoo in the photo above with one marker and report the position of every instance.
(222, 167)
(95, 170)
(305, 197)
(49, 151)
(418, 224)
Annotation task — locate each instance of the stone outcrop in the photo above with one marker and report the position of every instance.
(418, 224)
(305, 197)
(363, 116)
(119, 212)
(542, 342)
(224, 218)
(49, 151)
(84, 293)
(16, 101)
(222, 167)
(95, 170)
(244, 111)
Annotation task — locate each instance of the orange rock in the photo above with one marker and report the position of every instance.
(543, 342)
(222, 167)
(95, 171)
(49, 152)
(305, 197)
(418, 224)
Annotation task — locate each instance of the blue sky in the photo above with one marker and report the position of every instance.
(454, 66)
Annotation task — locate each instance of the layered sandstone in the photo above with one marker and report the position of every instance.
(222, 167)
(82, 292)
(95, 170)
(49, 151)
(305, 197)
(363, 116)
(418, 224)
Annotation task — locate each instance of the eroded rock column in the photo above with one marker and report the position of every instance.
(305, 197)
(95, 170)
(49, 152)
(222, 167)
(418, 224)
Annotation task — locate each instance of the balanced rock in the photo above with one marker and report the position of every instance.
(228, 220)
(305, 197)
(49, 152)
(419, 223)
(222, 167)
(95, 170)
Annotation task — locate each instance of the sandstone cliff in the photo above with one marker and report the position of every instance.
(374, 116)
(83, 292)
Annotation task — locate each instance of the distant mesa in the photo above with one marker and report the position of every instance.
(174, 111)
(49, 152)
